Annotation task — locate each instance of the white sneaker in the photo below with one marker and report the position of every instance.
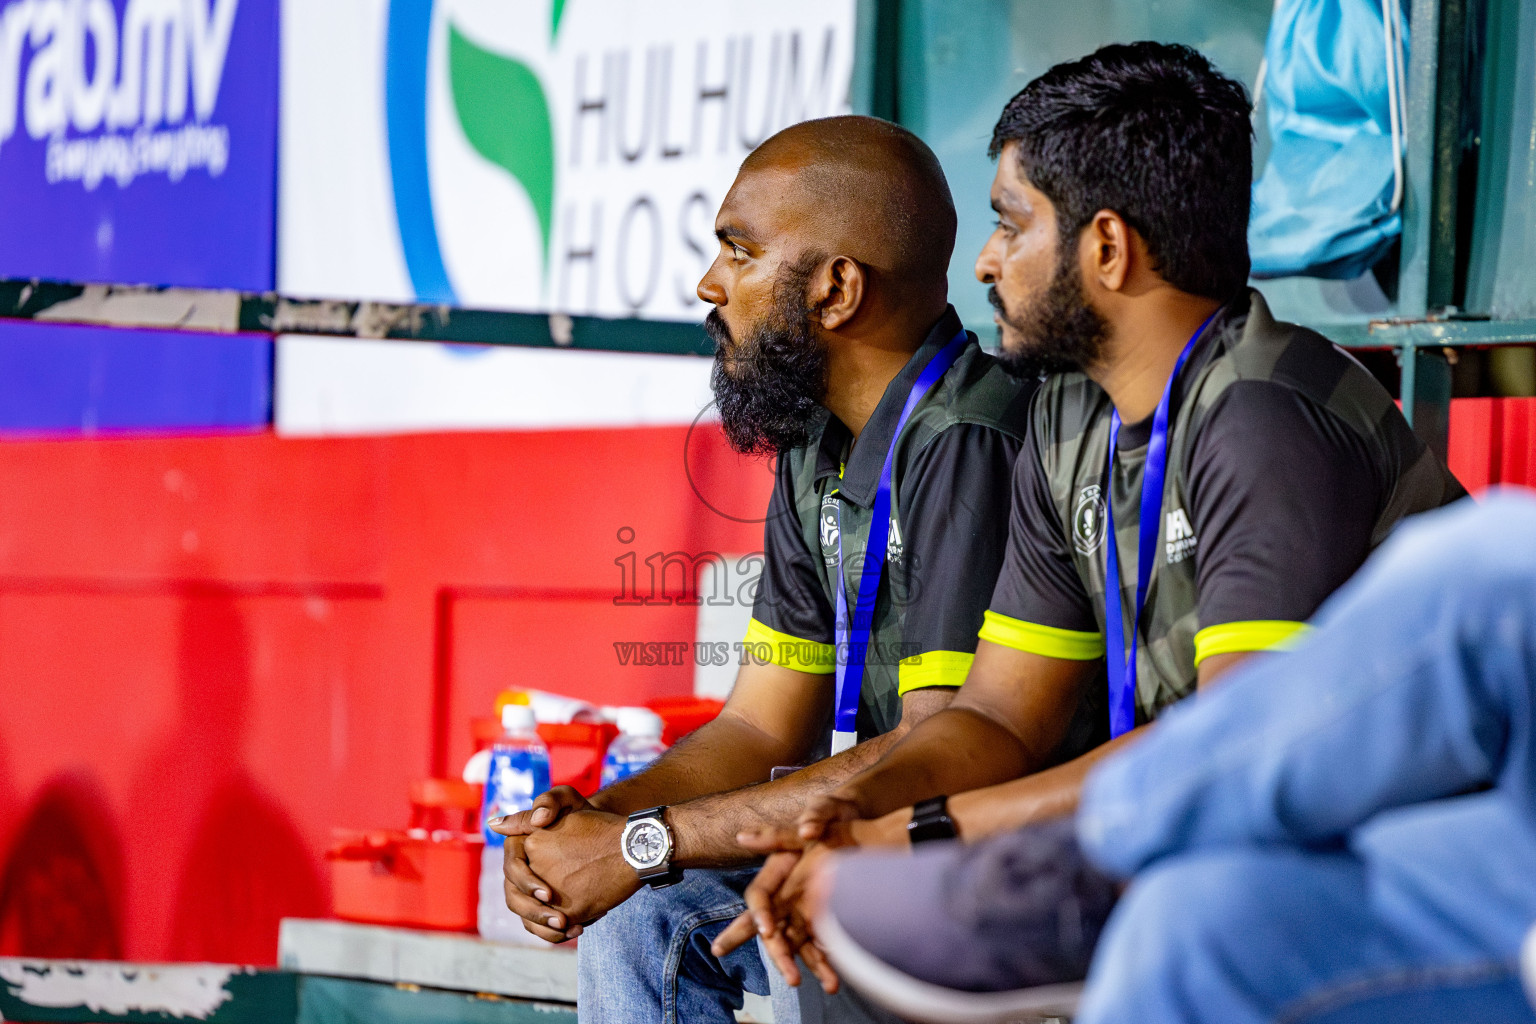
(928, 1003)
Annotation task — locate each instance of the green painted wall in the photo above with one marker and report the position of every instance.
(960, 62)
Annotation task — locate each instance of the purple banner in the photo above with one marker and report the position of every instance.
(63, 379)
(138, 141)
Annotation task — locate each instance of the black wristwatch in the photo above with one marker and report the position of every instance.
(646, 846)
(931, 820)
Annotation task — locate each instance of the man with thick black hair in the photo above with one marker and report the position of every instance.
(1198, 479)
(896, 434)
(1155, 134)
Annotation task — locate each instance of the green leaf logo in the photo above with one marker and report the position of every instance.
(505, 115)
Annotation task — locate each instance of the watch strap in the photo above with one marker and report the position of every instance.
(663, 876)
(931, 821)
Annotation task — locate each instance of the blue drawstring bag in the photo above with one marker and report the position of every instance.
(1328, 203)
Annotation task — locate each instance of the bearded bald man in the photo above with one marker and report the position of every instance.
(837, 351)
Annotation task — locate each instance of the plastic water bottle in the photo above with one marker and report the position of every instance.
(637, 744)
(519, 771)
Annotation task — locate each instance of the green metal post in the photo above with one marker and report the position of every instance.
(1432, 156)
(1430, 411)
(1418, 161)
(1408, 361)
(1426, 391)
(1450, 82)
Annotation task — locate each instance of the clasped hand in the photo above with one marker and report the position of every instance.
(789, 890)
(562, 868)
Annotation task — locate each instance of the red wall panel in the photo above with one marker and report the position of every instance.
(1493, 440)
(214, 650)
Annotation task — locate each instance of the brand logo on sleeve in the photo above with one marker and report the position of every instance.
(1088, 520)
(1179, 537)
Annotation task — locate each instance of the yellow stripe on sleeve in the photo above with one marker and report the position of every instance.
(1047, 641)
(788, 651)
(1241, 637)
(934, 668)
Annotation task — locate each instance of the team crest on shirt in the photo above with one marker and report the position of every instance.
(829, 530)
(1088, 519)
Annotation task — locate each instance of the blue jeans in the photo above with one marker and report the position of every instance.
(1345, 833)
(648, 960)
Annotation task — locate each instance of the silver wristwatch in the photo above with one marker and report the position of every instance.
(646, 846)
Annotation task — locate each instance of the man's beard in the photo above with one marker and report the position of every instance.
(770, 386)
(1059, 332)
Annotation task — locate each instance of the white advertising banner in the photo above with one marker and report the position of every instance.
(330, 386)
(547, 155)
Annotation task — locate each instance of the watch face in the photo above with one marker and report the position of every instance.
(645, 844)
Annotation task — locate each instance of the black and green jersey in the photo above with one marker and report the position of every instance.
(1287, 464)
(950, 486)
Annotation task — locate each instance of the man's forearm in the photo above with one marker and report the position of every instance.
(723, 754)
(705, 829)
(951, 752)
(1053, 793)
(1006, 721)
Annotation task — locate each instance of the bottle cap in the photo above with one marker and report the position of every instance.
(642, 722)
(518, 718)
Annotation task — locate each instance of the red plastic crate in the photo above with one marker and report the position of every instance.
(426, 876)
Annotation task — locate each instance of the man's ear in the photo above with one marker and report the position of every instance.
(838, 291)
(1109, 245)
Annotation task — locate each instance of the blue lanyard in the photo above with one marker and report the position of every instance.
(853, 632)
(1122, 667)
